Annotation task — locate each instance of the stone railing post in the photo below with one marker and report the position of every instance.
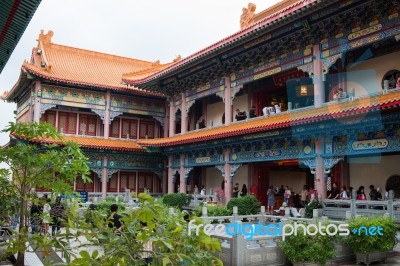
(238, 247)
(390, 208)
(353, 208)
(262, 217)
(235, 214)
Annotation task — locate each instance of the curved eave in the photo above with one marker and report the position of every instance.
(37, 73)
(229, 41)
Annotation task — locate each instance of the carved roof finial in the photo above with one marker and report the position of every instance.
(156, 63)
(45, 38)
(177, 58)
(247, 17)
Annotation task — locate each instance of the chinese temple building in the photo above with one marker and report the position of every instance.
(306, 93)
(80, 93)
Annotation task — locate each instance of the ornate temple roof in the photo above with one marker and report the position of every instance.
(288, 9)
(99, 143)
(15, 16)
(69, 65)
(332, 110)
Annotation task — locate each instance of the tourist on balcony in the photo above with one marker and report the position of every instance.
(339, 95)
(196, 190)
(271, 199)
(361, 194)
(265, 111)
(203, 191)
(252, 112)
(278, 109)
(243, 192)
(235, 193)
(334, 192)
(240, 115)
(350, 193)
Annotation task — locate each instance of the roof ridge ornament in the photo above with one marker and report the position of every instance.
(177, 58)
(247, 17)
(45, 38)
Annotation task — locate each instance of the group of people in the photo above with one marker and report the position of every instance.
(347, 193)
(272, 192)
(236, 191)
(202, 190)
(43, 214)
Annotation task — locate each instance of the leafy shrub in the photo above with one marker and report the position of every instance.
(104, 206)
(362, 242)
(307, 248)
(314, 204)
(177, 200)
(247, 205)
(213, 211)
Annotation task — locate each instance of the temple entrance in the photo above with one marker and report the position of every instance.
(393, 183)
(280, 173)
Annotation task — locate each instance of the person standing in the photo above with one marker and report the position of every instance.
(115, 218)
(334, 192)
(372, 193)
(235, 191)
(304, 193)
(287, 195)
(343, 193)
(46, 214)
(252, 112)
(271, 199)
(243, 192)
(203, 191)
(56, 214)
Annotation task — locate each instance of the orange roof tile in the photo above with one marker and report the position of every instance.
(99, 143)
(83, 67)
(278, 8)
(285, 119)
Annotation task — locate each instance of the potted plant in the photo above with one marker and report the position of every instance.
(371, 238)
(312, 205)
(302, 249)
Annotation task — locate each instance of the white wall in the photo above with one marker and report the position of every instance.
(242, 176)
(213, 178)
(214, 113)
(366, 77)
(242, 104)
(366, 171)
(295, 180)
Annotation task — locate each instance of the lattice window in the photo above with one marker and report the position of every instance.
(147, 129)
(87, 125)
(123, 181)
(114, 128)
(49, 117)
(149, 182)
(67, 123)
(142, 181)
(328, 184)
(129, 126)
(132, 181)
(112, 186)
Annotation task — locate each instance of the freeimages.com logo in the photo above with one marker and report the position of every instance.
(280, 229)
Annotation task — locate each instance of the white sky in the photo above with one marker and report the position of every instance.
(143, 29)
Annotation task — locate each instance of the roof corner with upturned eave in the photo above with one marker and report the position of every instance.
(80, 67)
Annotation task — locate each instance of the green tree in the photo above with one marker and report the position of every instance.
(33, 164)
(151, 223)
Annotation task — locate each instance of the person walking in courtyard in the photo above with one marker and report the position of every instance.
(46, 214)
(56, 214)
(243, 192)
(271, 199)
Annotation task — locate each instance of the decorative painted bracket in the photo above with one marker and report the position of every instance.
(98, 171)
(221, 95)
(221, 168)
(188, 105)
(110, 172)
(329, 61)
(101, 113)
(311, 163)
(114, 114)
(307, 68)
(234, 91)
(159, 119)
(234, 168)
(45, 106)
(187, 171)
(330, 162)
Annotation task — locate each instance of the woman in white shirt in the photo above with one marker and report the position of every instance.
(343, 193)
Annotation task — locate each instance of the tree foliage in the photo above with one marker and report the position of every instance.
(35, 164)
